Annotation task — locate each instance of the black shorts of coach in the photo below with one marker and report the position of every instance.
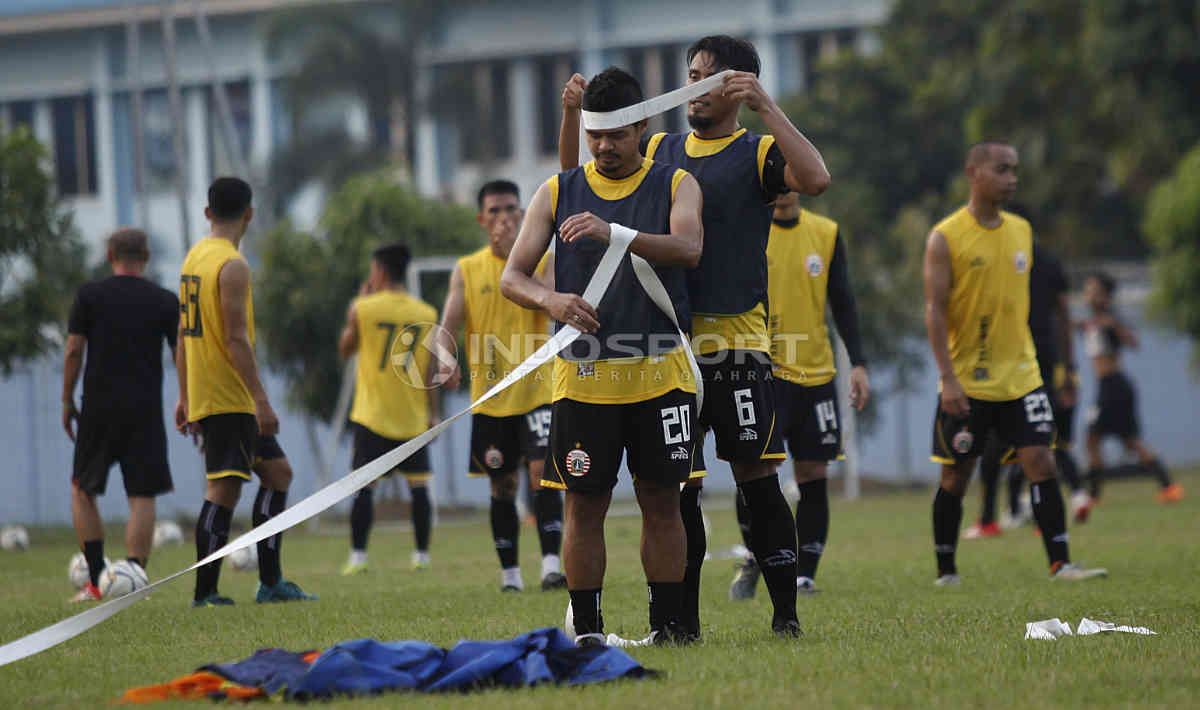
(657, 436)
(1017, 423)
(1064, 417)
(1115, 411)
(137, 442)
(233, 447)
(739, 405)
(809, 420)
(369, 446)
(499, 443)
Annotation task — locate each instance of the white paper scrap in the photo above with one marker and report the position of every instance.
(1047, 630)
(1088, 627)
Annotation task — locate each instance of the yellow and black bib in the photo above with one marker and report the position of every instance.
(214, 387)
(988, 311)
(798, 259)
(499, 336)
(390, 394)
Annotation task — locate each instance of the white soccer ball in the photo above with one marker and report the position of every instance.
(14, 537)
(121, 578)
(245, 559)
(569, 623)
(167, 532)
(77, 570)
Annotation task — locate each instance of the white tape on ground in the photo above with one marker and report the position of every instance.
(608, 120)
(328, 496)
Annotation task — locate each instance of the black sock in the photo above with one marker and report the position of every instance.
(267, 504)
(989, 477)
(93, 552)
(773, 532)
(138, 561)
(505, 528)
(947, 517)
(1156, 468)
(1094, 476)
(422, 517)
(1051, 519)
(585, 607)
(1068, 469)
(1015, 478)
(212, 532)
(697, 545)
(362, 517)
(666, 601)
(812, 526)
(548, 509)
(743, 518)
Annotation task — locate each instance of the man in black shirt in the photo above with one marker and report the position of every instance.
(121, 322)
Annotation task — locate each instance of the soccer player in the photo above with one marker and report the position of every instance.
(121, 323)
(222, 398)
(394, 397)
(1050, 326)
(977, 264)
(1115, 412)
(740, 174)
(626, 386)
(807, 267)
(514, 425)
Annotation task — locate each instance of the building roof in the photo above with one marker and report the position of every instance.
(34, 16)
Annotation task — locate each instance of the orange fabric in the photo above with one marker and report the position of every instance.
(194, 686)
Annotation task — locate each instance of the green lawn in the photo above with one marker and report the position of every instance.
(879, 635)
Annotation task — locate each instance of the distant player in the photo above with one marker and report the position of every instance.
(121, 323)
(807, 267)
(1050, 326)
(977, 264)
(1116, 410)
(740, 174)
(625, 387)
(513, 426)
(222, 398)
(394, 396)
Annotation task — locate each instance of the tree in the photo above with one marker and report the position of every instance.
(307, 280)
(41, 255)
(1172, 226)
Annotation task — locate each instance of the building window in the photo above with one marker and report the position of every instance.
(219, 154)
(552, 74)
(500, 123)
(157, 141)
(20, 113)
(483, 119)
(74, 144)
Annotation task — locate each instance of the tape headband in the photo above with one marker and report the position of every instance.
(609, 120)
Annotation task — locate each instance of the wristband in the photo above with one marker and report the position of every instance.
(620, 234)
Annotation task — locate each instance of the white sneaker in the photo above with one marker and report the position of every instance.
(948, 580)
(510, 580)
(1081, 506)
(1075, 573)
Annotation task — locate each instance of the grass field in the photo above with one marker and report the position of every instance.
(879, 635)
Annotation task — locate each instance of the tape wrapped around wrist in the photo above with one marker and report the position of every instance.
(620, 234)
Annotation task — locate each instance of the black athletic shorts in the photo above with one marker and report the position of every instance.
(499, 443)
(138, 443)
(1018, 423)
(1115, 412)
(739, 405)
(587, 441)
(809, 420)
(233, 447)
(369, 446)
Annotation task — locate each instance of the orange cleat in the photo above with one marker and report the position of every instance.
(979, 531)
(1171, 494)
(88, 593)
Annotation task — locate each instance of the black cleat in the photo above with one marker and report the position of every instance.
(554, 580)
(590, 641)
(789, 629)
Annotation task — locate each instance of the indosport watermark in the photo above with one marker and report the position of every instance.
(426, 355)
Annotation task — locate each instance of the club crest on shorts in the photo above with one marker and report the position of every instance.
(585, 369)
(492, 458)
(814, 264)
(1021, 262)
(963, 441)
(578, 462)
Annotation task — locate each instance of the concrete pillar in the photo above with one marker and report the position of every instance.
(43, 127)
(765, 43)
(523, 123)
(106, 167)
(261, 141)
(427, 145)
(199, 171)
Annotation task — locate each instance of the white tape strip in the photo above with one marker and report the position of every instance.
(328, 496)
(609, 120)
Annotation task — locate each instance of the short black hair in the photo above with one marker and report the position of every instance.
(610, 90)
(1106, 281)
(729, 53)
(229, 197)
(981, 151)
(498, 187)
(394, 260)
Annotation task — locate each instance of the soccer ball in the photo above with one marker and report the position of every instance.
(77, 570)
(121, 578)
(245, 559)
(14, 537)
(167, 532)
